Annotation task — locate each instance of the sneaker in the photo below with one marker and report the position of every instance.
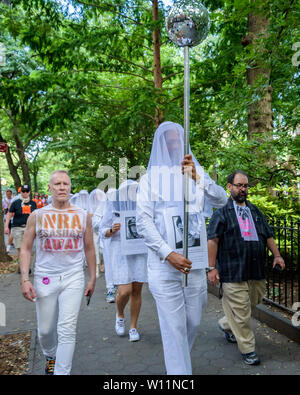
(8, 248)
(134, 335)
(50, 364)
(120, 326)
(251, 358)
(110, 296)
(229, 336)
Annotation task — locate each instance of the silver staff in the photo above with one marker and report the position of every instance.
(187, 25)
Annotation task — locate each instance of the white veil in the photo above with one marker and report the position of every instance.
(126, 196)
(164, 167)
(74, 199)
(168, 146)
(97, 199)
(83, 199)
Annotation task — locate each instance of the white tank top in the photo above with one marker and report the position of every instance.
(59, 239)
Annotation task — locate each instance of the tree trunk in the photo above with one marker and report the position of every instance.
(12, 168)
(157, 64)
(260, 112)
(21, 154)
(35, 183)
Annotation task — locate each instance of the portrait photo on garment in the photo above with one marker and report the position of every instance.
(131, 242)
(131, 231)
(197, 250)
(193, 238)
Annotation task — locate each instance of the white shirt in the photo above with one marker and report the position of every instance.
(59, 240)
(151, 225)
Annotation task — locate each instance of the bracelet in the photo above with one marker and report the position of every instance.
(24, 281)
(277, 256)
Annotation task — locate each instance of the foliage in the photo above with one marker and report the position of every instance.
(79, 80)
(278, 203)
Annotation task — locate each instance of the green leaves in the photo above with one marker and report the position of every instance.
(80, 83)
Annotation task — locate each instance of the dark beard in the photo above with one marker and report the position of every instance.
(239, 198)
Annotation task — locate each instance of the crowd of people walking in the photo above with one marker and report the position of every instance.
(134, 235)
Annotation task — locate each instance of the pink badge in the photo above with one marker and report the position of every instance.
(46, 280)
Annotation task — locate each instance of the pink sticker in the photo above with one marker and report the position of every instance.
(46, 280)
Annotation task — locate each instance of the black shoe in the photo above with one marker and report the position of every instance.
(251, 358)
(229, 336)
(49, 368)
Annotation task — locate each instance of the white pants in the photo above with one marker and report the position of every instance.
(95, 238)
(58, 303)
(107, 264)
(179, 311)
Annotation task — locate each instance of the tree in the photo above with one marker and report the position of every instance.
(4, 256)
(112, 75)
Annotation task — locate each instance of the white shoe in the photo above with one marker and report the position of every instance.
(8, 248)
(120, 326)
(134, 335)
(110, 296)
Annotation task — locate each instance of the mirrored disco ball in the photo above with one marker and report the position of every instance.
(188, 23)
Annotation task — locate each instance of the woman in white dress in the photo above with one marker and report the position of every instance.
(129, 271)
(97, 200)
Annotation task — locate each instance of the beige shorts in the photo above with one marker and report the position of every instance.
(18, 234)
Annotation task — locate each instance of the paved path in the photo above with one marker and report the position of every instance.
(100, 351)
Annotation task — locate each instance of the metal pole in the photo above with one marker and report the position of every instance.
(186, 151)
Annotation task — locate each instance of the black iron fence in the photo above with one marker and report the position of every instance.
(283, 288)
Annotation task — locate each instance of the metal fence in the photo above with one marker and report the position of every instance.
(283, 288)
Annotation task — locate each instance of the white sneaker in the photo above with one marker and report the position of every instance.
(120, 326)
(110, 296)
(8, 248)
(134, 335)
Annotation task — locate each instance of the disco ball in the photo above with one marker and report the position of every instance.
(188, 23)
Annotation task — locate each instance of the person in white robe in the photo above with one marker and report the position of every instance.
(97, 199)
(129, 271)
(83, 199)
(161, 191)
(74, 199)
(111, 288)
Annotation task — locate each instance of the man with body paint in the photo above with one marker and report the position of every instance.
(64, 236)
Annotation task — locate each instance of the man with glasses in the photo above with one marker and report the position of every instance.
(238, 235)
(20, 210)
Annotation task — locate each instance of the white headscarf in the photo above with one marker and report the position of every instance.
(83, 199)
(168, 146)
(74, 199)
(97, 198)
(164, 167)
(126, 196)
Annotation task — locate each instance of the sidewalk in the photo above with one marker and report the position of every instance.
(99, 351)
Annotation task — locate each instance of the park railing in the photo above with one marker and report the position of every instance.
(283, 288)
